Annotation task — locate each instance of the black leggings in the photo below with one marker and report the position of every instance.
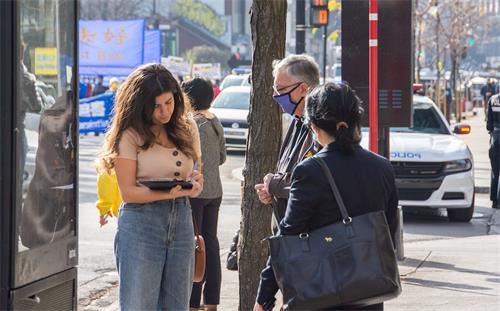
(206, 215)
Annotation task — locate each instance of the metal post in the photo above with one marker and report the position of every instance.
(400, 250)
(373, 74)
(324, 52)
(300, 32)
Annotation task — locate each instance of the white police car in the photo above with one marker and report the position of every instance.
(433, 168)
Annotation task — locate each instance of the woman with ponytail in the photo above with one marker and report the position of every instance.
(365, 180)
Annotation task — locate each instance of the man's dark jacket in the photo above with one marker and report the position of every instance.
(297, 145)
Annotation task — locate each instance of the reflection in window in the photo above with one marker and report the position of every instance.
(45, 123)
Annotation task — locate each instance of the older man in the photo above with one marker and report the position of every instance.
(294, 77)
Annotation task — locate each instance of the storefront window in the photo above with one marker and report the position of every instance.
(46, 159)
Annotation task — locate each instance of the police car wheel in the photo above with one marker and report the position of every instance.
(461, 214)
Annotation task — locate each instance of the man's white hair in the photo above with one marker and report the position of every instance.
(301, 67)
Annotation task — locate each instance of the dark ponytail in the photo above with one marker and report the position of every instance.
(337, 110)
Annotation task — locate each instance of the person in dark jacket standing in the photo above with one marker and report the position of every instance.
(99, 88)
(365, 180)
(493, 127)
(206, 206)
(294, 77)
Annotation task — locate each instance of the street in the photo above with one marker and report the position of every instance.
(448, 265)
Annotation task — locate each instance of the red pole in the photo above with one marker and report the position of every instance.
(373, 73)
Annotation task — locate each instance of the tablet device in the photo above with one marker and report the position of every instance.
(166, 184)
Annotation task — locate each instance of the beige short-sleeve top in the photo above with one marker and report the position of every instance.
(157, 161)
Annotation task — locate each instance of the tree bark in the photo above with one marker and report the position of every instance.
(268, 24)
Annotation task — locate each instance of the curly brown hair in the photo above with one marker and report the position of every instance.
(133, 109)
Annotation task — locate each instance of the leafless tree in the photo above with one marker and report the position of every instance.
(268, 24)
(459, 22)
(422, 8)
(113, 9)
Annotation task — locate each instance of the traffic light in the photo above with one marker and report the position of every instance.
(319, 13)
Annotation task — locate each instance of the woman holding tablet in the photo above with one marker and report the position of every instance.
(152, 138)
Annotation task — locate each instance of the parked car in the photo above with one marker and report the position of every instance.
(232, 107)
(235, 80)
(433, 167)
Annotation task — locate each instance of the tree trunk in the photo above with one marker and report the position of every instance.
(453, 87)
(268, 23)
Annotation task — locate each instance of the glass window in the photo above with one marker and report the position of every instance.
(46, 159)
(426, 119)
(233, 100)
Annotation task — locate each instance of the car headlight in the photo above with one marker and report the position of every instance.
(457, 166)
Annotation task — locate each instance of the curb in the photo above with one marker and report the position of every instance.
(495, 223)
(482, 189)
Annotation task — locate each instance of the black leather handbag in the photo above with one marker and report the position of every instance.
(352, 262)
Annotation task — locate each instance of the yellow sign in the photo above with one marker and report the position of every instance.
(46, 61)
(333, 36)
(334, 5)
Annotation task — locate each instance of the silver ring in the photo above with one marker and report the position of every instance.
(347, 221)
(303, 236)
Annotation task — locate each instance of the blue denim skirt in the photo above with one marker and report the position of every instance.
(154, 249)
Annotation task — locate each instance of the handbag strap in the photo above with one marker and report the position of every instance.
(346, 219)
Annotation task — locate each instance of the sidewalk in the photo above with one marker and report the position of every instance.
(440, 275)
(478, 142)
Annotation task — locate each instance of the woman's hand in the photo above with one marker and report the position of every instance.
(196, 178)
(103, 219)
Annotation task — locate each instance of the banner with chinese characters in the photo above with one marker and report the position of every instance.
(207, 71)
(177, 65)
(152, 46)
(95, 113)
(111, 43)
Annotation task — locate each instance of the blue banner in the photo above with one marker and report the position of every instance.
(95, 113)
(152, 46)
(105, 71)
(111, 43)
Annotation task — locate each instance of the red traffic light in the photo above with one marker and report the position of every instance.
(319, 17)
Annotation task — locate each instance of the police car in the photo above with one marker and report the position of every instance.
(433, 167)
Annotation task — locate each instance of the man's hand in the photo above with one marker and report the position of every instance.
(267, 181)
(264, 196)
(103, 219)
(258, 307)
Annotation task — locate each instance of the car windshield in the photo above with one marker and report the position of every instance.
(232, 100)
(425, 120)
(232, 81)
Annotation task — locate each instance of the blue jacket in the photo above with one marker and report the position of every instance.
(366, 184)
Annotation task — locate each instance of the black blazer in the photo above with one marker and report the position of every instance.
(366, 184)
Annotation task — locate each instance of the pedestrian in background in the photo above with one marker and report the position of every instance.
(493, 127)
(206, 205)
(114, 83)
(365, 181)
(99, 88)
(216, 88)
(152, 137)
(294, 77)
(487, 91)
